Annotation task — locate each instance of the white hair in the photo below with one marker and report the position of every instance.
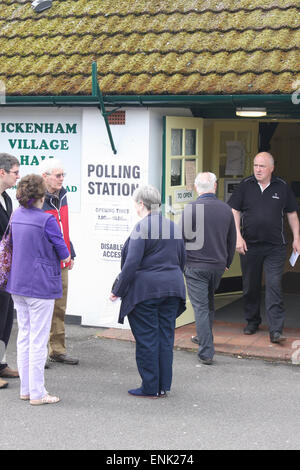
(149, 195)
(205, 182)
(50, 164)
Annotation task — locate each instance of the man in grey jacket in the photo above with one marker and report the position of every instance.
(210, 247)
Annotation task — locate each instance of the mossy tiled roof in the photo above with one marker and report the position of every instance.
(150, 46)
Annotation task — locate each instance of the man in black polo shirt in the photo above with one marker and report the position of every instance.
(258, 205)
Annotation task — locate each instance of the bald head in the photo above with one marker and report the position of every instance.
(263, 167)
(267, 156)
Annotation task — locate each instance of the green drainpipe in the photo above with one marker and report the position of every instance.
(163, 182)
(97, 93)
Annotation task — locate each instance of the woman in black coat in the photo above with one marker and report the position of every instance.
(152, 290)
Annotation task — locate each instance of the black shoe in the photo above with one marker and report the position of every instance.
(277, 337)
(64, 359)
(138, 392)
(206, 362)
(250, 330)
(195, 339)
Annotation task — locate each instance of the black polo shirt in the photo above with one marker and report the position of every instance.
(262, 212)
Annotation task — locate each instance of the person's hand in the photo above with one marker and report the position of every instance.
(296, 246)
(113, 297)
(66, 260)
(71, 265)
(241, 246)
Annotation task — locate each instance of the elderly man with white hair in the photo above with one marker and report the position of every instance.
(56, 204)
(210, 248)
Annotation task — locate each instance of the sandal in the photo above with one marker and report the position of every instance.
(27, 397)
(24, 397)
(46, 400)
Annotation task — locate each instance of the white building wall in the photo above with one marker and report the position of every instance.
(100, 204)
(97, 233)
(138, 143)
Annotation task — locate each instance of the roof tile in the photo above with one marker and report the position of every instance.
(150, 46)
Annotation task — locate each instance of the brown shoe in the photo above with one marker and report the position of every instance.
(64, 359)
(3, 384)
(8, 373)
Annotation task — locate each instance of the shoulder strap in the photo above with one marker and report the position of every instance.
(8, 226)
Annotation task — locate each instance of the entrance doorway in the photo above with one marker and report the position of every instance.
(282, 140)
(209, 153)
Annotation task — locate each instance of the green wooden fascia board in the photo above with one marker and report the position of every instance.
(148, 100)
(207, 106)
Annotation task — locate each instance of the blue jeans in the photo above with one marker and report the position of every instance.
(201, 287)
(153, 326)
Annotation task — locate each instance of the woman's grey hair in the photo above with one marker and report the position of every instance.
(50, 164)
(149, 196)
(205, 182)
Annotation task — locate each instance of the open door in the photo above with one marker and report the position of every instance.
(183, 159)
(243, 134)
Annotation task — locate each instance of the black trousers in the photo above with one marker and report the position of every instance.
(6, 319)
(269, 259)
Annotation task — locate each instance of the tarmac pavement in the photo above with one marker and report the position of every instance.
(234, 404)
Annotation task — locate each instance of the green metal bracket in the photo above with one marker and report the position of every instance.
(96, 92)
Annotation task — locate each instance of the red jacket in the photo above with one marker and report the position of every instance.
(58, 206)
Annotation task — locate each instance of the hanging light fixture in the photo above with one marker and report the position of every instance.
(251, 112)
(41, 5)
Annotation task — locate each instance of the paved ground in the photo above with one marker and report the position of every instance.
(229, 339)
(228, 332)
(235, 404)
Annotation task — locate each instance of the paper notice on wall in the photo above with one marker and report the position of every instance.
(190, 174)
(235, 162)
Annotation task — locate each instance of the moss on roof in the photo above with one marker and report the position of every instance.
(150, 46)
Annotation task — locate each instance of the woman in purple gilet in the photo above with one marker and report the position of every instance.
(34, 282)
